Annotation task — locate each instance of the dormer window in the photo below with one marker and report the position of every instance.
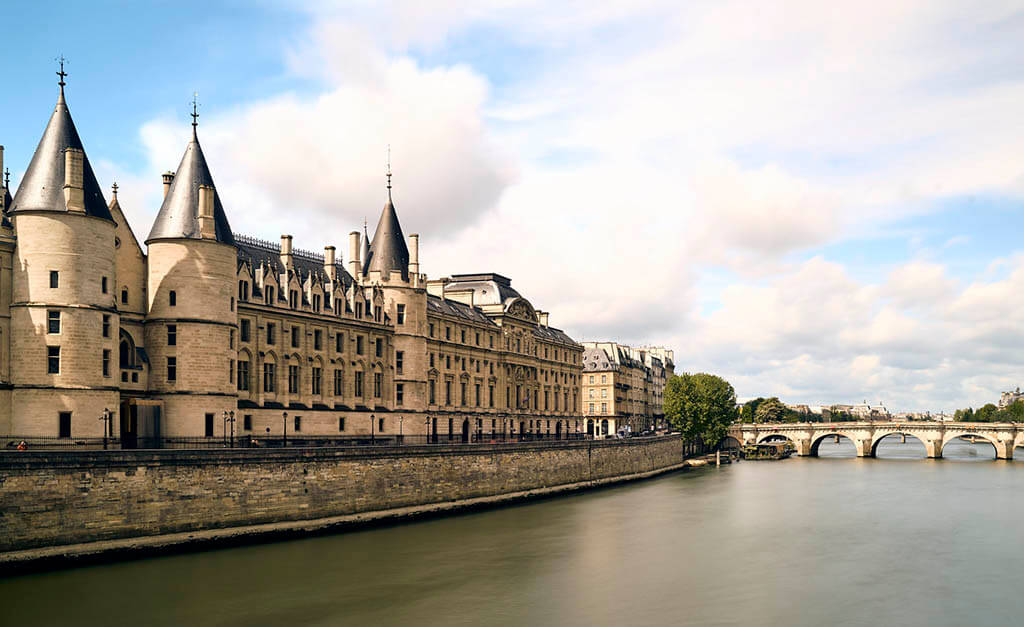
(243, 291)
(293, 299)
(269, 291)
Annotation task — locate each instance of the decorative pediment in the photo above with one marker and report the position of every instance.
(522, 309)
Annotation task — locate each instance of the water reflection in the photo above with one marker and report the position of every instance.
(794, 542)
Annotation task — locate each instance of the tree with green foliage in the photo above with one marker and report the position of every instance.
(986, 413)
(700, 406)
(772, 410)
(748, 409)
(1013, 413)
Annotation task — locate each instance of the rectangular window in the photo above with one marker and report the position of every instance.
(172, 335)
(359, 384)
(492, 341)
(604, 408)
(172, 368)
(103, 284)
(400, 315)
(298, 424)
(431, 360)
(377, 380)
(124, 296)
(380, 425)
(399, 394)
(431, 329)
(231, 338)
(209, 425)
(243, 375)
(433, 391)
(271, 329)
(476, 394)
(399, 361)
(339, 381)
(604, 378)
(54, 279)
(490, 396)
(247, 422)
(378, 347)
(53, 322)
(269, 377)
(172, 298)
(293, 379)
(462, 336)
(295, 336)
(64, 424)
(447, 392)
(448, 333)
(246, 329)
(53, 359)
(318, 340)
(462, 394)
(106, 326)
(316, 302)
(339, 342)
(231, 371)
(341, 424)
(359, 345)
(106, 362)
(317, 378)
(293, 299)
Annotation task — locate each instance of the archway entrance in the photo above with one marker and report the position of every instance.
(522, 429)
(465, 431)
(590, 427)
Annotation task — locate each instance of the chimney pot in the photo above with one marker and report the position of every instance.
(168, 178)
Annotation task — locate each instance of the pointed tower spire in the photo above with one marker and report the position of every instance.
(192, 198)
(47, 184)
(388, 251)
(364, 251)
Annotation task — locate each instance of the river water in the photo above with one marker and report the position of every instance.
(804, 541)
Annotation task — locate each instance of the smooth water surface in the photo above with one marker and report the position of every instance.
(804, 541)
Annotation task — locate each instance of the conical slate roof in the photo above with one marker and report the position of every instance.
(388, 251)
(179, 214)
(42, 187)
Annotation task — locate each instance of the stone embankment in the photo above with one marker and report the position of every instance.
(62, 507)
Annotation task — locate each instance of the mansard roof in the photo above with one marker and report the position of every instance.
(489, 288)
(388, 251)
(456, 309)
(554, 335)
(42, 187)
(179, 213)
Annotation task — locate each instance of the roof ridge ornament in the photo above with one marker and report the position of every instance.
(113, 190)
(389, 172)
(195, 112)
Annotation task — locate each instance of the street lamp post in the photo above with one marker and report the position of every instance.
(401, 429)
(229, 417)
(106, 417)
(284, 429)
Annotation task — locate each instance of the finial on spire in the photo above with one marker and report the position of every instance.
(113, 189)
(195, 111)
(389, 171)
(62, 74)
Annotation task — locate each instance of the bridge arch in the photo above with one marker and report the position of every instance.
(958, 435)
(907, 434)
(773, 437)
(730, 442)
(819, 438)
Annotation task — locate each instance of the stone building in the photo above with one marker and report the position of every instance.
(204, 326)
(624, 387)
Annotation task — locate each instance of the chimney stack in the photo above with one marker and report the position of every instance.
(286, 251)
(168, 178)
(207, 226)
(543, 315)
(74, 192)
(353, 254)
(414, 254)
(329, 268)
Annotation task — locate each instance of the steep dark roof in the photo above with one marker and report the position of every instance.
(179, 213)
(257, 252)
(42, 187)
(554, 335)
(388, 251)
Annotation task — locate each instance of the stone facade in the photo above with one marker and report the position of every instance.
(173, 338)
(623, 387)
(56, 499)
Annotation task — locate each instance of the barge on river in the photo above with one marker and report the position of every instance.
(768, 450)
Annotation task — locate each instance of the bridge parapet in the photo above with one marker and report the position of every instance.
(807, 436)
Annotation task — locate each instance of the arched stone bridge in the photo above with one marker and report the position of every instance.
(866, 435)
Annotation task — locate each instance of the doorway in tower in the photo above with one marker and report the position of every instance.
(129, 424)
(465, 431)
(558, 430)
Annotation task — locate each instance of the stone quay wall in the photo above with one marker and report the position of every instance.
(51, 499)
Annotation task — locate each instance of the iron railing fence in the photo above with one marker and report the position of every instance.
(53, 443)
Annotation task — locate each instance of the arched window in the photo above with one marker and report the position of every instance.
(124, 295)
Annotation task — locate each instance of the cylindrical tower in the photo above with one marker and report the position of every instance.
(64, 321)
(191, 320)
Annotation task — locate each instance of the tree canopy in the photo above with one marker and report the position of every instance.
(990, 413)
(700, 405)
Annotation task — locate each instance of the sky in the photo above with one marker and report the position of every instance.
(817, 201)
